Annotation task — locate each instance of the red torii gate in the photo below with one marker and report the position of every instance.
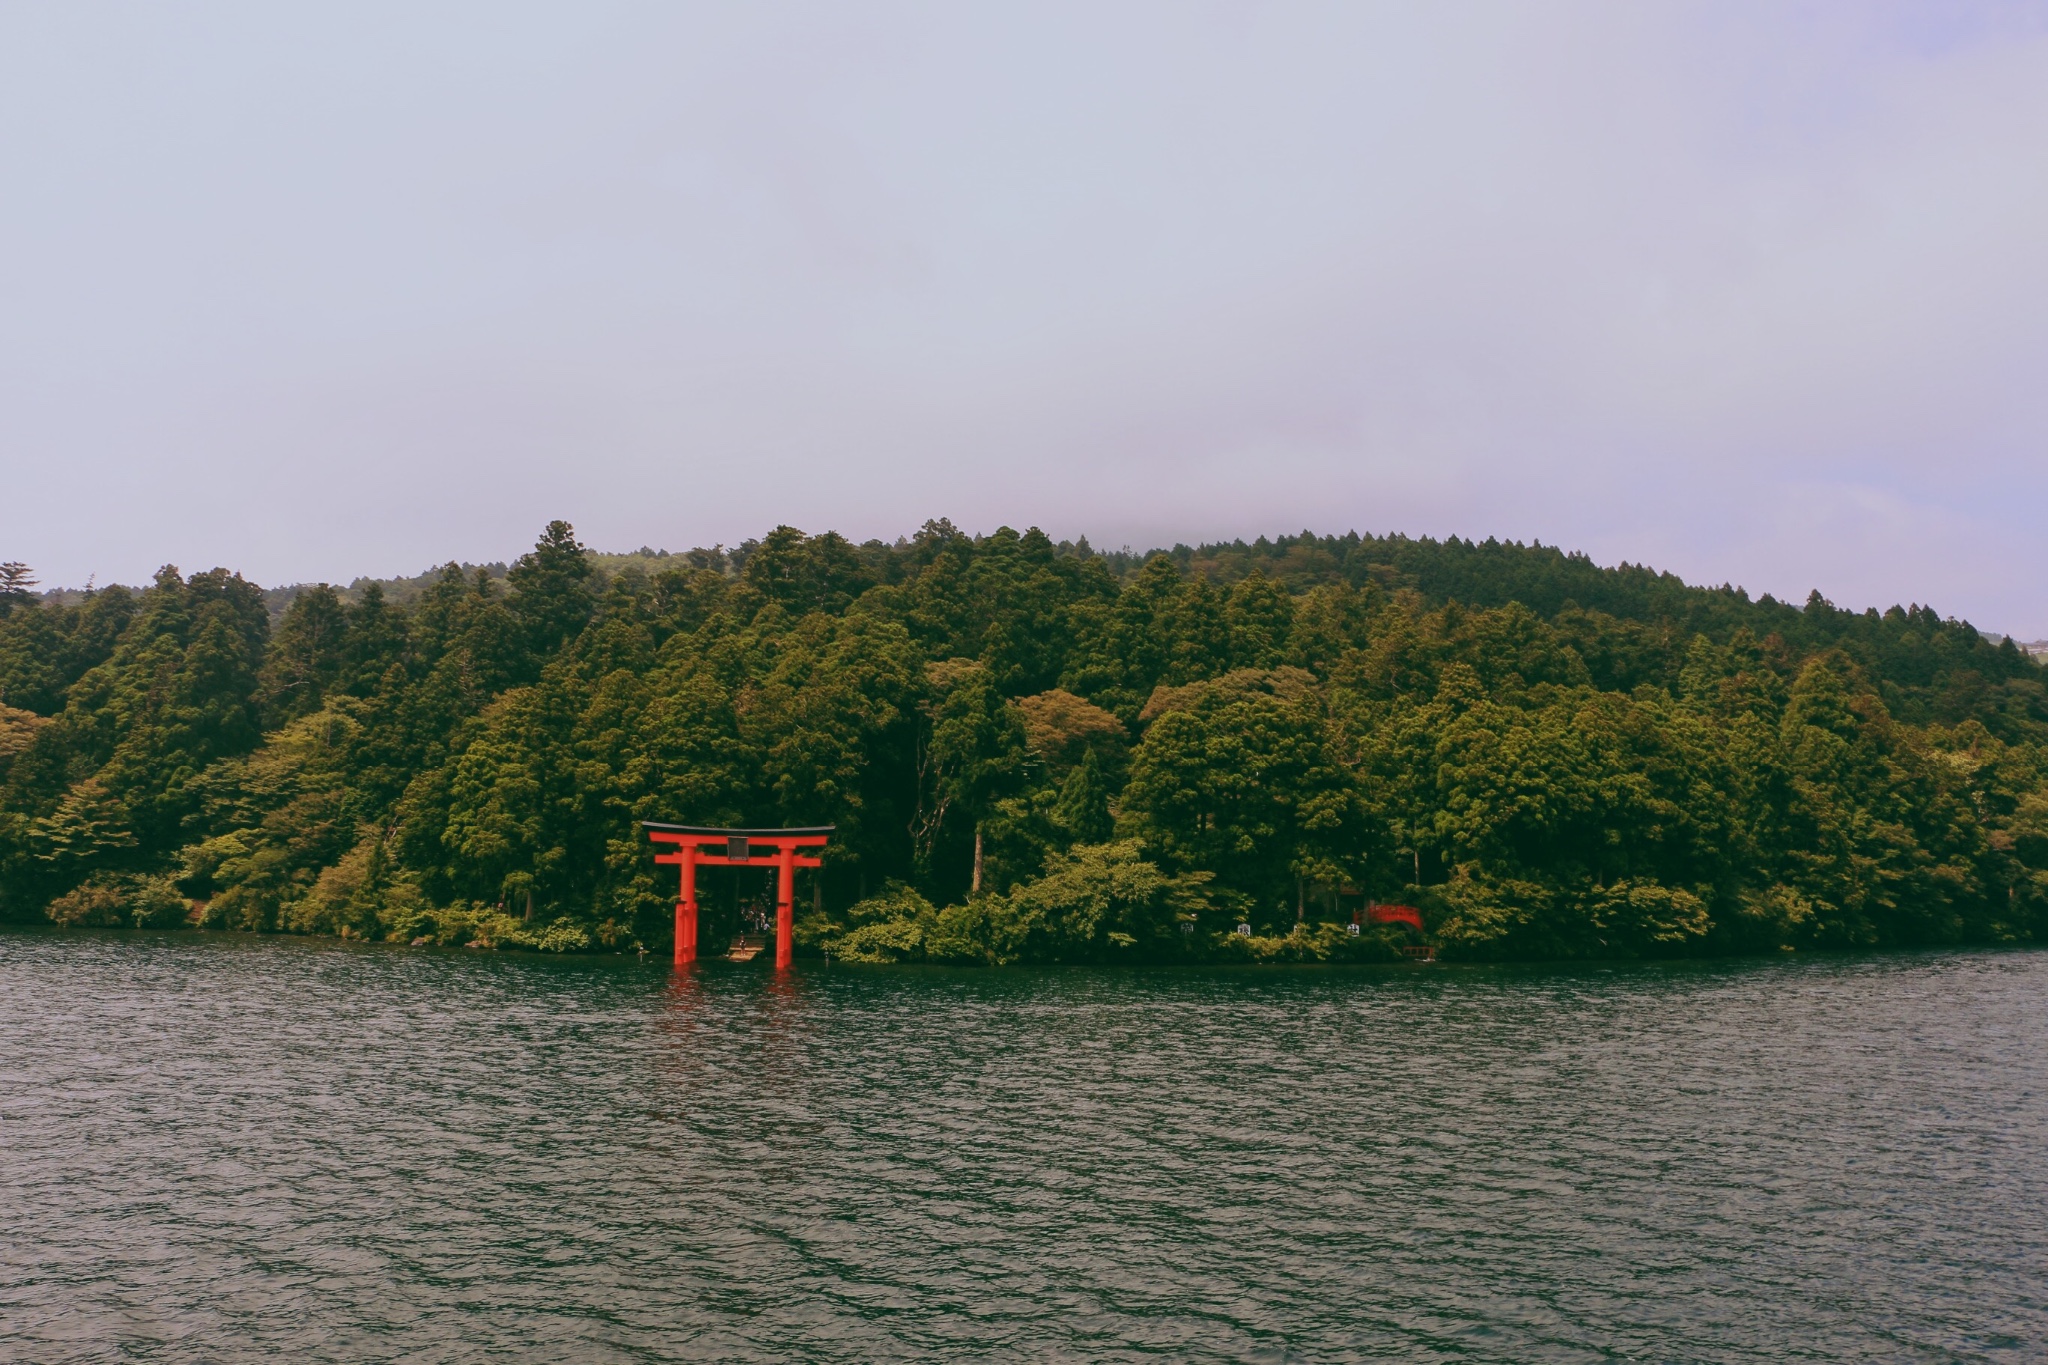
(736, 849)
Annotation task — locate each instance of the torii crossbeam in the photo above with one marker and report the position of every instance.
(737, 848)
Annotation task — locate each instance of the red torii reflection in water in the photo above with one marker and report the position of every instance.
(736, 849)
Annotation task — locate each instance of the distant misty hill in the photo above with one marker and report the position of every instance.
(1911, 647)
(1479, 573)
(1031, 752)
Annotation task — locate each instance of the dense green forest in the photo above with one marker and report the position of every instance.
(1032, 752)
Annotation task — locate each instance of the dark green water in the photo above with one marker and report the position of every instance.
(231, 1150)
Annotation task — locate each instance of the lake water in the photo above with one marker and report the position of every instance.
(230, 1149)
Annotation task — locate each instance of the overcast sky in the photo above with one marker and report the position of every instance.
(1753, 292)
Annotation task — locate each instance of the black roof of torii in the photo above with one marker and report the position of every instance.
(716, 830)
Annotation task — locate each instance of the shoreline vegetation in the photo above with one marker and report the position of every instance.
(1033, 752)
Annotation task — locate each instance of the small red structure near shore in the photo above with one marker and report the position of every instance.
(703, 846)
(1395, 914)
(1420, 951)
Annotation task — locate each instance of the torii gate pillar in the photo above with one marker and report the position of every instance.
(686, 908)
(736, 848)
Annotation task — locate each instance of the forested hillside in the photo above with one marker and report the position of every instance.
(1031, 751)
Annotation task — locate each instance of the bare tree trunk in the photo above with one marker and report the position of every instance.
(975, 890)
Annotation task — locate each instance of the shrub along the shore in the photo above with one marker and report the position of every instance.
(1032, 752)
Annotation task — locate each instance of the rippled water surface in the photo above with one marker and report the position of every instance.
(223, 1149)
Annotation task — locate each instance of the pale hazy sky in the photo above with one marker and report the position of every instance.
(1754, 292)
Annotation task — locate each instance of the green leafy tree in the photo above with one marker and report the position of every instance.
(1083, 809)
(1247, 786)
(1095, 902)
(808, 573)
(17, 586)
(306, 655)
(551, 586)
(973, 756)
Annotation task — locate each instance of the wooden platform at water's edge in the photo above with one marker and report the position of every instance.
(747, 947)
